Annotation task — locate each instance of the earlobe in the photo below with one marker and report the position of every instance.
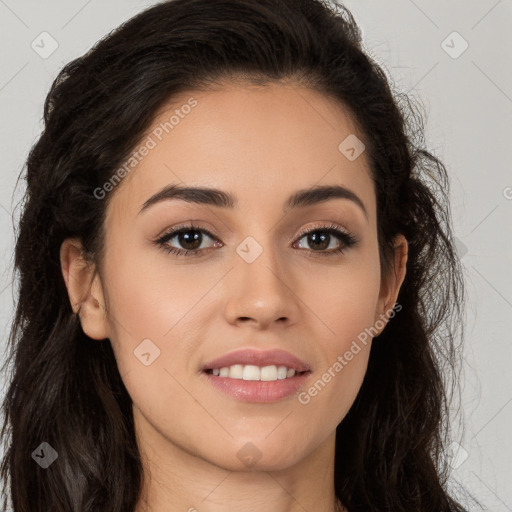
(84, 289)
(390, 284)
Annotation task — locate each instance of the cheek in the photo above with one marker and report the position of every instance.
(149, 299)
(331, 394)
(345, 297)
(345, 300)
(345, 352)
(151, 311)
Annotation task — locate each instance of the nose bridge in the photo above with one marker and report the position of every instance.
(261, 288)
(260, 265)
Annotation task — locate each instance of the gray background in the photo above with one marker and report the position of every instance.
(468, 99)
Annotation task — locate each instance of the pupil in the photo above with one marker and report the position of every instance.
(313, 240)
(194, 240)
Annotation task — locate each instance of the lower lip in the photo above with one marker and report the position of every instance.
(258, 391)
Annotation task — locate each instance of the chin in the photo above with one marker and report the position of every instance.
(259, 455)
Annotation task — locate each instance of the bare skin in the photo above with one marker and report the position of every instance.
(261, 145)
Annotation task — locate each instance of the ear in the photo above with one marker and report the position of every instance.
(84, 289)
(391, 283)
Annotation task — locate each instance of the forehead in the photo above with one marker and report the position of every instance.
(258, 143)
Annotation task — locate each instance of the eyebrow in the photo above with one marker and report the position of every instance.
(216, 197)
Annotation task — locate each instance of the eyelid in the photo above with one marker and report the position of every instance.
(326, 226)
(190, 225)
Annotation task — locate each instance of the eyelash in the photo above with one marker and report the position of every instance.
(347, 240)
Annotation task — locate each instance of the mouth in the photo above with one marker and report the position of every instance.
(249, 372)
(257, 376)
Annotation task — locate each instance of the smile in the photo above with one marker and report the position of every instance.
(252, 372)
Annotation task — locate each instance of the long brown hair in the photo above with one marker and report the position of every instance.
(65, 389)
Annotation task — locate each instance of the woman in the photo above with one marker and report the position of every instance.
(235, 261)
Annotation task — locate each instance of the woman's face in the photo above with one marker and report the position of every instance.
(256, 291)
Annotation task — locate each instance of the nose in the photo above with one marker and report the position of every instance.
(262, 293)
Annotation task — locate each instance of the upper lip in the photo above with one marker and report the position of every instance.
(276, 357)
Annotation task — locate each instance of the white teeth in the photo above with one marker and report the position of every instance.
(236, 371)
(269, 373)
(281, 372)
(252, 372)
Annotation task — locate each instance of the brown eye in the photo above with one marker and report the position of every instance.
(188, 239)
(322, 240)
